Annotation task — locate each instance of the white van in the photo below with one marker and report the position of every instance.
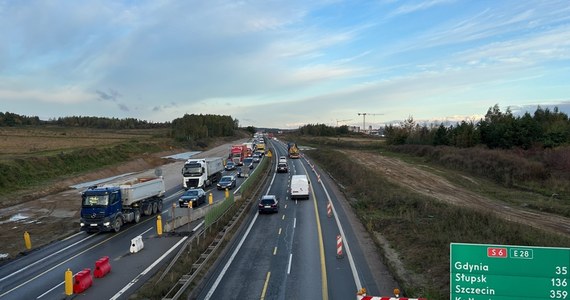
(299, 187)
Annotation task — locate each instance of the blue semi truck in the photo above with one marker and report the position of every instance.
(108, 207)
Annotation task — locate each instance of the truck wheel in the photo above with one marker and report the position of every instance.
(148, 209)
(117, 224)
(159, 206)
(154, 208)
(137, 215)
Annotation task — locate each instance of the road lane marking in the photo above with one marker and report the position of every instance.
(279, 231)
(198, 226)
(344, 242)
(227, 266)
(44, 258)
(275, 251)
(265, 285)
(289, 266)
(283, 218)
(321, 246)
(123, 290)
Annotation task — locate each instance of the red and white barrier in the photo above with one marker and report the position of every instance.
(82, 281)
(339, 246)
(102, 267)
(329, 209)
(386, 298)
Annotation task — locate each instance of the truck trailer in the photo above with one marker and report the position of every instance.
(202, 172)
(108, 207)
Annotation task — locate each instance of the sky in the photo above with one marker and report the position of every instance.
(284, 64)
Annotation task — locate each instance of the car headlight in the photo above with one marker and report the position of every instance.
(106, 223)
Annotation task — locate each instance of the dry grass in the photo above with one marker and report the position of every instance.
(34, 141)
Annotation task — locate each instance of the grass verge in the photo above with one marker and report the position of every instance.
(420, 228)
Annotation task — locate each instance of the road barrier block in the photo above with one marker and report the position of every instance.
(82, 281)
(102, 267)
(137, 244)
(339, 253)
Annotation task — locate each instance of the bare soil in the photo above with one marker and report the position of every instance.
(54, 211)
(441, 189)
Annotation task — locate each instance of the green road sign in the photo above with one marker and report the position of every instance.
(500, 272)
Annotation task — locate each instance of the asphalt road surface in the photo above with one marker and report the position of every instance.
(292, 254)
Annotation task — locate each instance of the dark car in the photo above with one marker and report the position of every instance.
(227, 182)
(248, 162)
(239, 172)
(282, 168)
(256, 158)
(196, 196)
(230, 165)
(268, 203)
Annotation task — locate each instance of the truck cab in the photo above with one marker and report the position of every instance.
(101, 209)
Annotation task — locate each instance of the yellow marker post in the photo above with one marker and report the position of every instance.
(227, 193)
(68, 282)
(211, 199)
(190, 204)
(159, 225)
(27, 240)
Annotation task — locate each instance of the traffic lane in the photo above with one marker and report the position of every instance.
(124, 265)
(245, 277)
(341, 283)
(254, 258)
(305, 280)
(35, 262)
(381, 284)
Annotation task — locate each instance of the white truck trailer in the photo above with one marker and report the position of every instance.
(202, 172)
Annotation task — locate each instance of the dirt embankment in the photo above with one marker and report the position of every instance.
(439, 188)
(52, 212)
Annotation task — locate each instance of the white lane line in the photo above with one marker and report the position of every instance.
(198, 226)
(289, 266)
(227, 266)
(345, 241)
(53, 288)
(294, 222)
(146, 231)
(72, 236)
(123, 290)
(40, 260)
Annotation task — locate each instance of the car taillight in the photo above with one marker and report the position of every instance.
(273, 205)
(260, 205)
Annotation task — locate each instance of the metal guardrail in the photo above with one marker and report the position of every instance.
(213, 217)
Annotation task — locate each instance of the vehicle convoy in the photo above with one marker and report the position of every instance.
(299, 187)
(293, 150)
(108, 207)
(238, 153)
(202, 172)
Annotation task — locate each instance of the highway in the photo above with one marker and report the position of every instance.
(40, 273)
(293, 254)
(288, 255)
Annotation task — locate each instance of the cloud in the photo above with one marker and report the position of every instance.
(418, 6)
(112, 95)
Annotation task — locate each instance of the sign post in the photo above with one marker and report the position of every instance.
(499, 272)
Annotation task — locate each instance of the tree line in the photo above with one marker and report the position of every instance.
(8, 119)
(497, 130)
(188, 128)
(194, 127)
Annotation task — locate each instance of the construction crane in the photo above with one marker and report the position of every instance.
(337, 121)
(364, 119)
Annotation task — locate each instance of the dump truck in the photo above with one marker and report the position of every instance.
(199, 173)
(293, 150)
(108, 207)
